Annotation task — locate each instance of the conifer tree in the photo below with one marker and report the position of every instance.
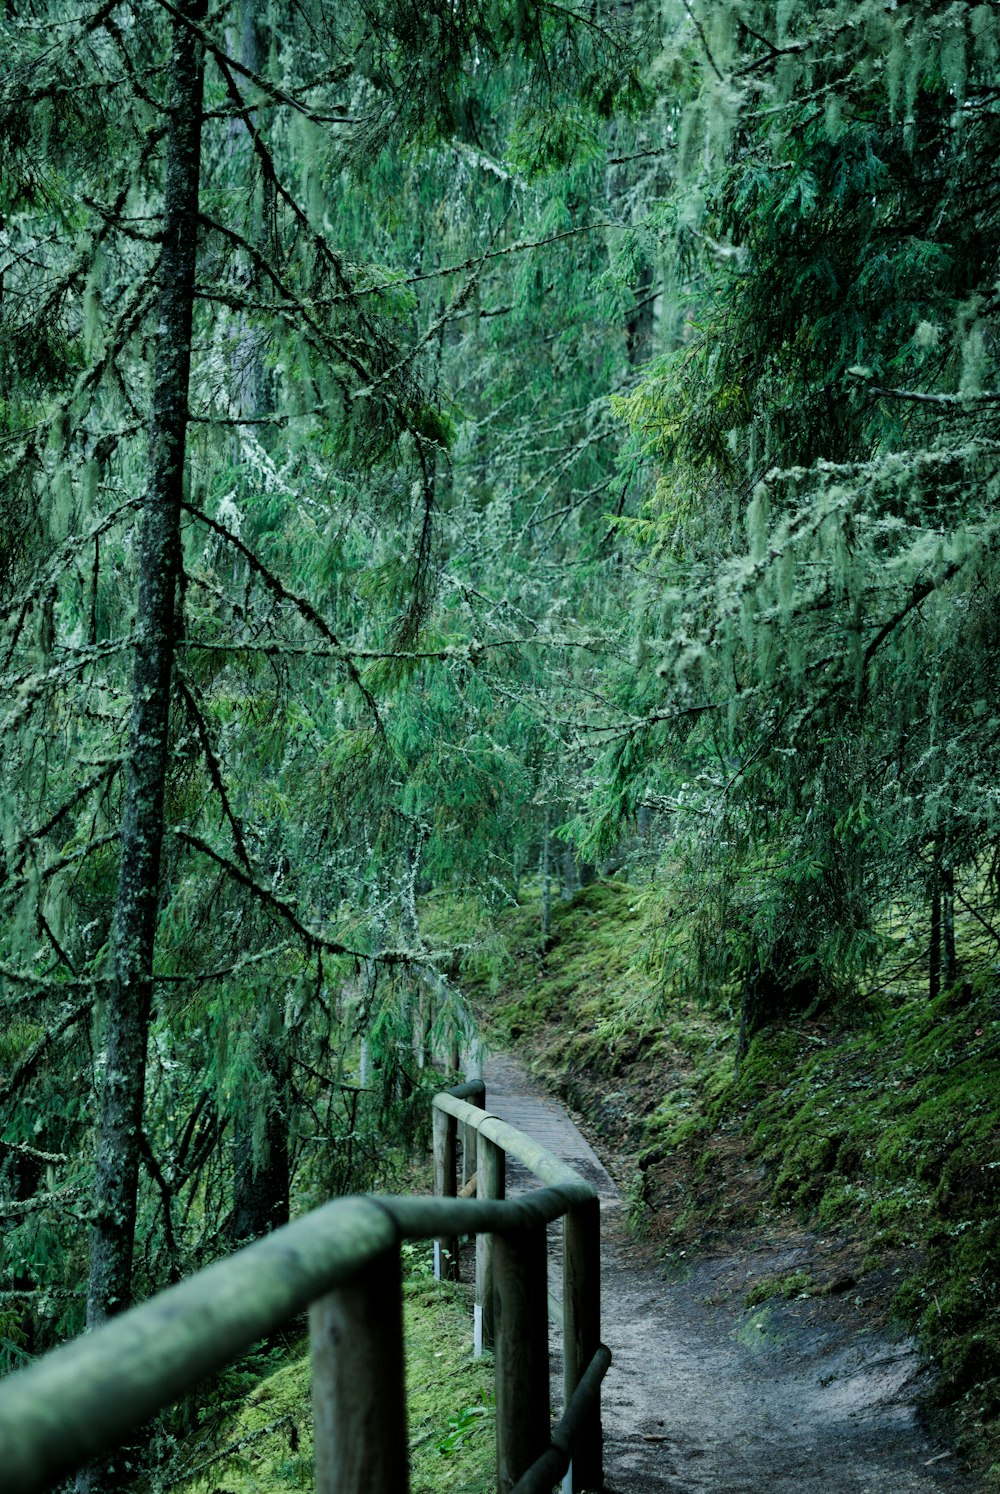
(822, 524)
(129, 992)
(243, 771)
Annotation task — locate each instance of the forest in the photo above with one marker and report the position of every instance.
(498, 535)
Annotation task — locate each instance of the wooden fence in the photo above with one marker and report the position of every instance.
(342, 1261)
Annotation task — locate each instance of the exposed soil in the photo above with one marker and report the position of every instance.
(794, 1395)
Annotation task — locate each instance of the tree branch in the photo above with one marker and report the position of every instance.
(302, 605)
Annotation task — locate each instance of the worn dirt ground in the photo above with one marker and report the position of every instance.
(790, 1397)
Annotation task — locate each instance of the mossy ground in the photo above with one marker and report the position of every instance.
(894, 1131)
(588, 1010)
(879, 1130)
(265, 1446)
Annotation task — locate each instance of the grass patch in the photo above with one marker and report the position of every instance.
(266, 1446)
(789, 1284)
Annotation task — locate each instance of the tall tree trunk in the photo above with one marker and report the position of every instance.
(127, 1012)
(934, 954)
(546, 869)
(262, 1172)
(570, 874)
(949, 963)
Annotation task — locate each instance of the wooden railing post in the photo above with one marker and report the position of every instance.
(469, 1153)
(491, 1180)
(356, 1336)
(522, 1352)
(445, 1138)
(582, 1328)
(470, 1136)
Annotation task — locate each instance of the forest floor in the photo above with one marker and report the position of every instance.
(726, 1378)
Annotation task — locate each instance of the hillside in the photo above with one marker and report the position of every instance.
(866, 1140)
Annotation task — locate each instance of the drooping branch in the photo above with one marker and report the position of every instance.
(26, 1066)
(214, 768)
(52, 868)
(285, 909)
(284, 594)
(85, 789)
(184, 19)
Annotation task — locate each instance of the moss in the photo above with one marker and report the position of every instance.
(840, 1203)
(16, 1040)
(896, 1129)
(586, 1003)
(759, 1330)
(788, 1284)
(265, 1447)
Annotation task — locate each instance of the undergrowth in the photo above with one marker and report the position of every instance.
(896, 1129)
(265, 1446)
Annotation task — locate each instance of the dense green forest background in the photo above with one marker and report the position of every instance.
(448, 454)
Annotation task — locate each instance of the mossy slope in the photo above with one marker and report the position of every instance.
(266, 1446)
(897, 1128)
(882, 1129)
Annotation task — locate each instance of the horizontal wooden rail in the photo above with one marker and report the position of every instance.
(83, 1399)
(534, 1156)
(342, 1260)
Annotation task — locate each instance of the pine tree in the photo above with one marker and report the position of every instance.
(822, 526)
(309, 713)
(129, 993)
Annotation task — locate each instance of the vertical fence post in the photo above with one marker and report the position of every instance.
(470, 1136)
(490, 1183)
(522, 1352)
(468, 1152)
(582, 1328)
(445, 1138)
(356, 1337)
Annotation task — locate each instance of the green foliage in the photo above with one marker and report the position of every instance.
(360, 701)
(809, 695)
(261, 1440)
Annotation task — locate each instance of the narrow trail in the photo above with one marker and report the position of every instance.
(703, 1394)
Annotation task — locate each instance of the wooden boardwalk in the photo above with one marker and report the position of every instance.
(515, 1097)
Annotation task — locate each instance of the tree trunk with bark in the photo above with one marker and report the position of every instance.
(261, 1174)
(127, 1010)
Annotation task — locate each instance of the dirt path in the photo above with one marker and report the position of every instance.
(793, 1397)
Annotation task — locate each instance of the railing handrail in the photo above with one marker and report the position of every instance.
(529, 1458)
(83, 1398)
(547, 1167)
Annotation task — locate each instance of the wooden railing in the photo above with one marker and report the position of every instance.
(342, 1261)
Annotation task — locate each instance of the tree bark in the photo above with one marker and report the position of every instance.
(546, 869)
(949, 956)
(261, 1183)
(129, 1000)
(261, 1175)
(934, 952)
